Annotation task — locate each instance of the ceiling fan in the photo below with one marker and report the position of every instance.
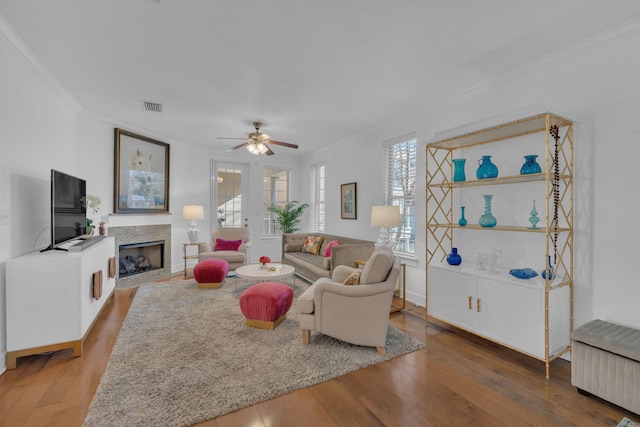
(257, 141)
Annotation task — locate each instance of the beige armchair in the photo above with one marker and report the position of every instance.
(355, 314)
(234, 258)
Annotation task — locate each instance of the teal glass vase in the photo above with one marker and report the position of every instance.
(462, 221)
(487, 219)
(530, 165)
(486, 169)
(548, 272)
(458, 170)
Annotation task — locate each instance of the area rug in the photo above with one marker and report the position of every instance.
(626, 422)
(184, 355)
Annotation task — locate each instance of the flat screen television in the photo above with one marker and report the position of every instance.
(68, 208)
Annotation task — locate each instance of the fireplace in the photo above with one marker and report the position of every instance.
(136, 258)
(144, 253)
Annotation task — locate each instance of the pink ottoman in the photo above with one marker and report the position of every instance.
(265, 304)
(210, 273)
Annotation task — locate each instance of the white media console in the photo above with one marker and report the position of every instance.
(54, 297)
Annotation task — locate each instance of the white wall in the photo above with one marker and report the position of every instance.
(38, 133)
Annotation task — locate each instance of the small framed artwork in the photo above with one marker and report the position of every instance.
(141, 174)
(348, 201)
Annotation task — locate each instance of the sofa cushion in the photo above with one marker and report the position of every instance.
(227, 245)
(312, 245)
(327, 250)
(378, 266)
(353, 279)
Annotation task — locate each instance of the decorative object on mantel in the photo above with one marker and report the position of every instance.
(141, 174)
(454, 257)
(193, 213)
(486, 168)
(458, 170)
(487, 219)
(533, 219)
(488, 262)
(264, 260)
(548, 271)
(523, 273)
(530, 165)
(462, 221)
(385, 217)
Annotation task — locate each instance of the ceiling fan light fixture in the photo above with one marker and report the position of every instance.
(252, 148)
(257, 148)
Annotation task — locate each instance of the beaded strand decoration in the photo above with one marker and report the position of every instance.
(553, 130)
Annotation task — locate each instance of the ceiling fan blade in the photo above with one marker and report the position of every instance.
(284, 144)
(244, 144)
(269, 152)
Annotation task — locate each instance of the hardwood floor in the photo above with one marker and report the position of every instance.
(457, 379)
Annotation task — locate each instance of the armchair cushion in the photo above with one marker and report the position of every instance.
(378, 266)
(227, 245)
(353, 279)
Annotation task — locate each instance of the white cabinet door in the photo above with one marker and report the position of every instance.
(512, 314)
(452, 297)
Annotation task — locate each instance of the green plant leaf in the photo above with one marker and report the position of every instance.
(289, 215)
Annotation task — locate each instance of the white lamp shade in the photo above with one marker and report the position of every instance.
(193, 212)
(385, 216)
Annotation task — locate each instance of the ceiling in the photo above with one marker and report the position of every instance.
(314, 72)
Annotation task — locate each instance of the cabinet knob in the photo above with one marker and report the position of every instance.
(478, 305)
(470, 303)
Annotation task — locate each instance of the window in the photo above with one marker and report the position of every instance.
(276, 191)
(317, 204)
(401, 189)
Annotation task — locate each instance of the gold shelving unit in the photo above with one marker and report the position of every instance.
(556, 225)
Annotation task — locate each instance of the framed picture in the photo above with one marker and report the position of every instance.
(348, 201)
(141, 174)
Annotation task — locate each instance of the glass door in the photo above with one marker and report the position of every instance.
(229, 190)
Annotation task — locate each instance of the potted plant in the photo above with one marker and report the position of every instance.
(288, 215)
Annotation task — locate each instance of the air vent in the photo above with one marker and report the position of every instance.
(152, 106)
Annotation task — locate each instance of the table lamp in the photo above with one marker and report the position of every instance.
(385, 217)
(193, 213)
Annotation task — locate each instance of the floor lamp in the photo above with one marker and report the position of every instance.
(193, 213)
(385, 217)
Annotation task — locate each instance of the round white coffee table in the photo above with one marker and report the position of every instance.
(255, 272)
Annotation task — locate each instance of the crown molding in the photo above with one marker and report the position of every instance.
(22, 51)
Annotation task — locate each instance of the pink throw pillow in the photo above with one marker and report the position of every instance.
(327, 251)
(227, 245)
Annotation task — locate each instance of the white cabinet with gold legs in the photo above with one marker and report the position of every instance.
(533, 316)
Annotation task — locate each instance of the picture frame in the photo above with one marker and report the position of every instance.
(348, 201)
(141, 174)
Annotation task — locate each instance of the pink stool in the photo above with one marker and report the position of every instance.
(210, 273)
(265, 304)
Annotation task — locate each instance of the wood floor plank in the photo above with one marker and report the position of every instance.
(457, 379)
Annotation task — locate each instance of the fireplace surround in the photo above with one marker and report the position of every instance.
(131, 240)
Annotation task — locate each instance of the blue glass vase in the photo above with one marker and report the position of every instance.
(530, 165)
(486, 168)
(462, 221)
(458, 170)
(548, 272)
(454, 257)
(487, 219)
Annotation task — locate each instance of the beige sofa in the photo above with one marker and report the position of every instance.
(312, 267)
(355, 314)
